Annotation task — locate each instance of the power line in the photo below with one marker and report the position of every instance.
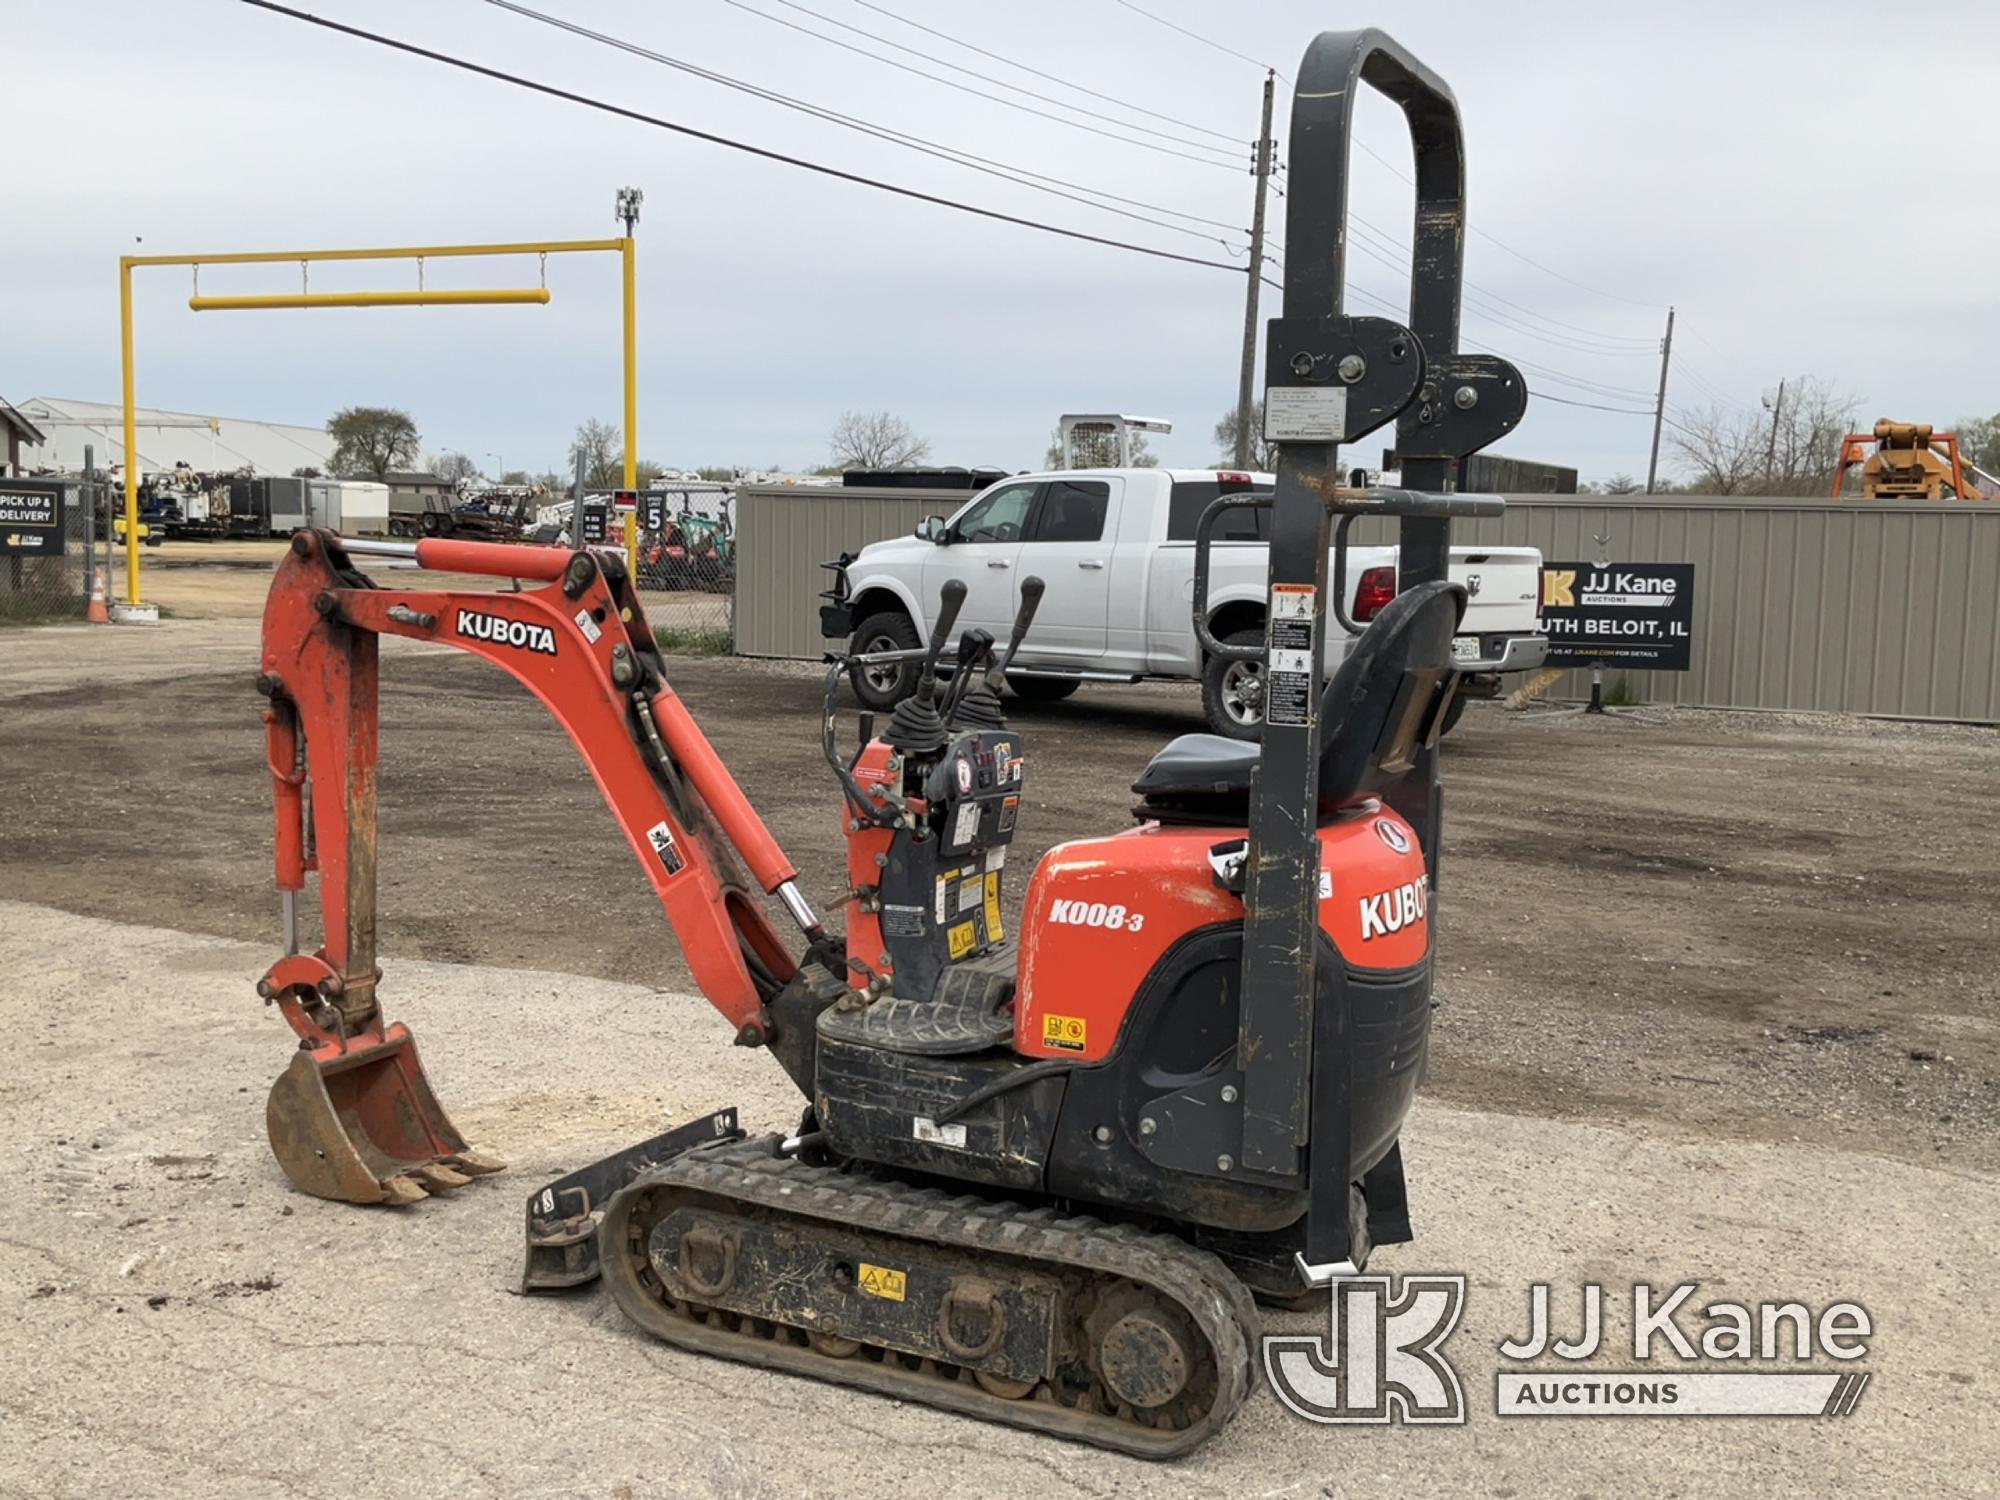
(996, 82)
(551, 91)
(1398, 172)
(1547, 374)
(1197, 36)
(890, 62)
(1006, 171)
(1559, 276)
(1360, 241)
(883, 10)
(1623, 411)
(1614, 343)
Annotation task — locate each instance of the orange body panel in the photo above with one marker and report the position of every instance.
(865, 943)
(560, 649)
(1101, 913)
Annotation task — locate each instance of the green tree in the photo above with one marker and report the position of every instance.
(369, 441)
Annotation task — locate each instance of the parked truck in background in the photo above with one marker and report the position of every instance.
(1115, 549)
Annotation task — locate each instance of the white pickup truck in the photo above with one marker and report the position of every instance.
(1115, 548)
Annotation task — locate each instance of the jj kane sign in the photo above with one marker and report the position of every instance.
(1638, 615)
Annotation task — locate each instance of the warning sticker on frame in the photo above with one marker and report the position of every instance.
(661, 837)
(1290, 693)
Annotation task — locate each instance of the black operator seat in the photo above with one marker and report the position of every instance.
(1386, 701)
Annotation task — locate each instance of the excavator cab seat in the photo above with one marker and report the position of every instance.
(1386, 702)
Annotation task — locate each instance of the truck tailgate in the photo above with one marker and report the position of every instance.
(1502, 585)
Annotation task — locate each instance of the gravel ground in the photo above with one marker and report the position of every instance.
(1749, 926)
(180, 1323)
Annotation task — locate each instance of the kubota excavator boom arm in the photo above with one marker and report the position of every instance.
(581, 644)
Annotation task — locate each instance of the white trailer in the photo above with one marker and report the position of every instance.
(352, 507)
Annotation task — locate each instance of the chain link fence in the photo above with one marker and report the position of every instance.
(45, 553)
(687, 565)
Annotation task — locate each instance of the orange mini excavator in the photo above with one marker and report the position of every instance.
(1041, 1176)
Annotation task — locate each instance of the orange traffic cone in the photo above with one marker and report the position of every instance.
(98, 613)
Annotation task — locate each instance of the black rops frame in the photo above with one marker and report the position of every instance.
(1295, 1055)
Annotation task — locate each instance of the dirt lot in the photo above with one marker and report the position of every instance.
(1745, 926)
(1719, 1003)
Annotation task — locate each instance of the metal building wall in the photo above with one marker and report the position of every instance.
(784, 533)
(1857, 606)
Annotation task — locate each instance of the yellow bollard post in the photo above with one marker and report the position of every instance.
(631, 400)
(131, 433)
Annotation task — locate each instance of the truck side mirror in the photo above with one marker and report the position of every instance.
(932, 530)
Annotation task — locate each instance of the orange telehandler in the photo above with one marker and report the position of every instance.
(1040, 1177)
(1910, 462)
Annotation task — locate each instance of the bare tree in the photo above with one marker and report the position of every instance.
(1622, 483)
(1789, 448)
(875, 440)
(1979, 441)
(453, 467)
(603, 453)
(1263, 452)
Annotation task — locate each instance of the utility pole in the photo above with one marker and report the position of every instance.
(1660, 404)
(1771, 450)
(1260, 168)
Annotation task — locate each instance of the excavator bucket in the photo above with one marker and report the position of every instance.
(362, 1125)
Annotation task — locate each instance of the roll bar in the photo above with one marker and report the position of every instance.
(1332, 378)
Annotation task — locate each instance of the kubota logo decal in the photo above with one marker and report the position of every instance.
(501, 631)
(1392, 835)
(1392, 911)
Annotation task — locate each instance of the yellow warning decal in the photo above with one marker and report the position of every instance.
(880, 1281)
(1066, 1033)
(962, 939)
(993, 932)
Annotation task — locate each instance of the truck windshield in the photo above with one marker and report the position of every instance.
(1193, 496)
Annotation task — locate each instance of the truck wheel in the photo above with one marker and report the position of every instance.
(1232, 692)
(885, 684)
(1042, 689)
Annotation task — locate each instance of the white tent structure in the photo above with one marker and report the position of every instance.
(165, 438)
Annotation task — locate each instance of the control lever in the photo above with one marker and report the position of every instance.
(974, 646)
(1031, 598)
(953, 596)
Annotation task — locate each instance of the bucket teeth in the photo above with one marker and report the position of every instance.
(475, 1163)
(437, 1177)
(400, 1190)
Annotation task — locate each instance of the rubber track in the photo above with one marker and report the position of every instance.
(748, 1172)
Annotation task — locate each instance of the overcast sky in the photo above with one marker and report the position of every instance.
(1812, 183)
